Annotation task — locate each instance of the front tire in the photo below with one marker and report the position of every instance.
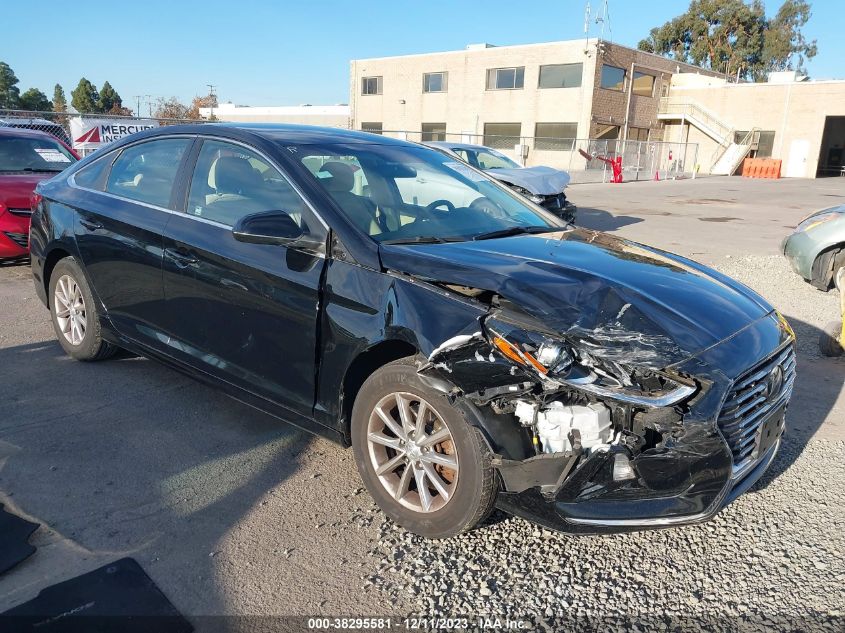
(423, 464)
(75, 317)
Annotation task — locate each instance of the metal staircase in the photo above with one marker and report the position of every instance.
(729, 154)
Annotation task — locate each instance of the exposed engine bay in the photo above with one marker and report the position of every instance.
(573, 403)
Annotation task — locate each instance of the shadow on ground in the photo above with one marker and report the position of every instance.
(601, 220)
(129, 458)
(818, 385)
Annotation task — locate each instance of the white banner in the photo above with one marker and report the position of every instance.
(89, 134)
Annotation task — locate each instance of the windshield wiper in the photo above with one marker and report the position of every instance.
(515, 230)
(419, 239)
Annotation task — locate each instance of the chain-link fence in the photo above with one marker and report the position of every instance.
(85, 133)
(641, 160)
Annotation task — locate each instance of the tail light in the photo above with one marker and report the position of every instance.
(34, 200)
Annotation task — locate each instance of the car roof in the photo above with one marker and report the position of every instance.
(287, 132)
(448, 145)
(24, 132)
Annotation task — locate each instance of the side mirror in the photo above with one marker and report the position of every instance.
(272, 227)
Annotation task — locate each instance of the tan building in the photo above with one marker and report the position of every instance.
(530, 95)
(800, 122)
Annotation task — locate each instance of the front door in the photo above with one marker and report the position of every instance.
(246, 313)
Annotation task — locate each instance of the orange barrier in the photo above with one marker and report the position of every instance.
(761, 168)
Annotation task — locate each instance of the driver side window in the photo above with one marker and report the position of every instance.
(230, 182)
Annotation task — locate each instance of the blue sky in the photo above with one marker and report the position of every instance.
(260, 52)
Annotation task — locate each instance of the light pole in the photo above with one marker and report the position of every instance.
(211, 95)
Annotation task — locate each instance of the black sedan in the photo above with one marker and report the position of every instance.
(472, 348)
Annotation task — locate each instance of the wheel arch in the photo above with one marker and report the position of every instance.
(53, 258)
(825, 265)
(362, 367)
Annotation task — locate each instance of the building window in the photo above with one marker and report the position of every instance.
(560, 76)
(433, 132)
(505, 78)
(370, 85)
(765, 145)
(372, 127)
(637, 133)
(612, 78)
(502, 135)
(555, 136)
(435, 82)
(643, 84)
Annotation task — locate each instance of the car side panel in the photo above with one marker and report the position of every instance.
(364, 308)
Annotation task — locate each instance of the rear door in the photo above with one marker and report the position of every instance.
(124, 204)
(245, 313)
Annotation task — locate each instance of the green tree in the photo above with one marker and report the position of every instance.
(34, 99)
(734, 37)
(784, 46)
(85, 97)
(109, 99)
(59, 99)
(9, 92)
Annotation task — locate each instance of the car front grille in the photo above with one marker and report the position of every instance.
(18, 238)
(754, 395)
(24, 213)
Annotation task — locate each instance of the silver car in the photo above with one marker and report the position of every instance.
(816, 249)
(542, 185)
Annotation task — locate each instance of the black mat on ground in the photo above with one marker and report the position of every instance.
(118, 598)
(14, 533)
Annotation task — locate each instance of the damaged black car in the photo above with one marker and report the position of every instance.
(473, 349)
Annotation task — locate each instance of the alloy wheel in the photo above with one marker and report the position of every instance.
(70, 309)
(412, 452)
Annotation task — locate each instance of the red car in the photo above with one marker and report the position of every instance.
(26, 158)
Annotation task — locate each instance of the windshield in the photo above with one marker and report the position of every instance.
(409, 194)
(486, 158)
(33, 154)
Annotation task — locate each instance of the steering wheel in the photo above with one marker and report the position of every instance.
(485, 205)
(431, 207)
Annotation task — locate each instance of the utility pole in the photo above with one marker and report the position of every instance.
(211, 94)
(149, 104)
(137, 104)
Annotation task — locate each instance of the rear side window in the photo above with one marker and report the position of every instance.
(146, 172)
(93, 176)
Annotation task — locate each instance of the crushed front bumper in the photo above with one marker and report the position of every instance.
(635, 514)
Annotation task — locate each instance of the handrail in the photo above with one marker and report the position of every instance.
(673, 105)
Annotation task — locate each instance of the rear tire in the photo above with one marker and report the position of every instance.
(76, 319)
(434, 448)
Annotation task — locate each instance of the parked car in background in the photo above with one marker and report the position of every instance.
(471, 353)
(542, 185)
(26, 158)
(816, 249)
(42, 125)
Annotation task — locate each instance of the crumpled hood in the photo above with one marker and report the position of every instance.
(624, 301)
(543, 181)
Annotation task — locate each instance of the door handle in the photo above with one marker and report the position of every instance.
(91, 225)
(181, 258)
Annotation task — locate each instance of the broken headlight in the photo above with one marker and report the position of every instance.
(559, 361)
